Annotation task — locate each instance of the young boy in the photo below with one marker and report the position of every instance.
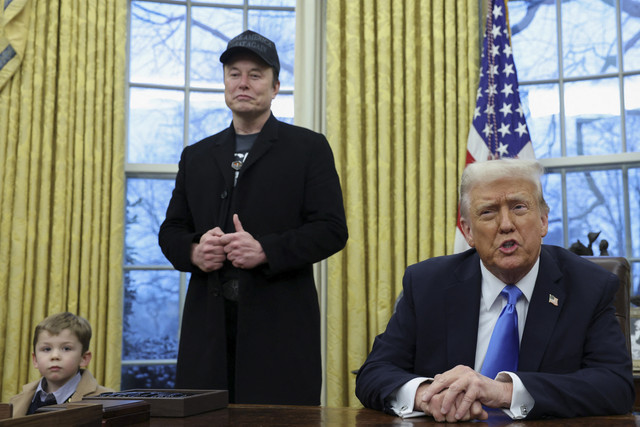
(60, 351)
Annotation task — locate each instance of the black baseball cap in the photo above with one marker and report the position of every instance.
(256, 43)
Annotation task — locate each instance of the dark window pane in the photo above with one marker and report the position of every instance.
(280, 27)
(157, 43)
(147, 201)
(156, 121)
(211, 30)
(151, 314)
(595, 203)
(592, 111)
(152, 376)
(589, 39)
(632, 111)
(552, 190)
(630, 34)
(208, 115)
(541, 104)
(534, 39)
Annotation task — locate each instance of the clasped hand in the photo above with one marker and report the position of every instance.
(240, 248)
(458, 395)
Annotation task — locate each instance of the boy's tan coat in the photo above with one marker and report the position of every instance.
(88, 386)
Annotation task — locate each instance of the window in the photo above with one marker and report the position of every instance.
(176, 97)
(578, 64)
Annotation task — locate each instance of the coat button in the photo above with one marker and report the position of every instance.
(224, 194)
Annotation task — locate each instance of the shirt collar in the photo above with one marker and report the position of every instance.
(63, 393)
(492, 286)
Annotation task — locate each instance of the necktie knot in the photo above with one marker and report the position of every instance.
(512, 293)
(50, 399)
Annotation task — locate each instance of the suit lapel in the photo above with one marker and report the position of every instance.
(542, 315)
(462, 301)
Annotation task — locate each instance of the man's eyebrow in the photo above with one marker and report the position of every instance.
(519, 197)
(484, 205)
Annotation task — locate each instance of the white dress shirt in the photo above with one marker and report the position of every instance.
(491, 304)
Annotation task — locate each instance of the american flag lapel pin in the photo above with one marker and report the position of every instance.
(553, 300)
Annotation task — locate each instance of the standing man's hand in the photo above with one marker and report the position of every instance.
(208, 255)
(460, 393)
(241, 248)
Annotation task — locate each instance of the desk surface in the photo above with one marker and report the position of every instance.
(263, 415)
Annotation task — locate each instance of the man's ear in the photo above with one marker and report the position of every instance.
(544, 220)
(86, 358)
(35, 361)
(466, 231)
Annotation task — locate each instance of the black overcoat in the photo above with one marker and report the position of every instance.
(288, 197)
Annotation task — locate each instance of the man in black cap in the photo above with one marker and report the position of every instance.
(254, 207)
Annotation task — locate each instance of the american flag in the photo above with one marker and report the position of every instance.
(499, 128)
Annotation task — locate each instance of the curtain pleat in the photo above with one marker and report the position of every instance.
(401, 80)
(62, 184)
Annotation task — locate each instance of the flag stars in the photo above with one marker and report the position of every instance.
(492, 90)
(496, 30)
(520, 110)
(521, 129)
(490, 110)
(495, 50)
(504, 129)
(508, 70)
(476, 112)
(494, 69)
(507, 50)
(502, 149)
(487, 130)
(506, 109)
(497, 11)
(507, 89)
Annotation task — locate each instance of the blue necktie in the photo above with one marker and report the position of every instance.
(502, 354)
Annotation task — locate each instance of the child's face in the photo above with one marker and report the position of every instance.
(58, 357)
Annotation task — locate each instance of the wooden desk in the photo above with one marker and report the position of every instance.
(76, 415)
(263, 415)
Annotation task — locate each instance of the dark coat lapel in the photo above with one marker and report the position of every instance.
(462, 301)
(222, 155)
(542, 314)
(263, 143)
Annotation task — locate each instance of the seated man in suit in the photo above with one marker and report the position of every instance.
(440, 354)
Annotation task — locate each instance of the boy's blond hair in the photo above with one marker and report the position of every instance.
(56, 323)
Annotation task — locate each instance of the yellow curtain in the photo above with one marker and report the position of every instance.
(401, 84)
(62, 183)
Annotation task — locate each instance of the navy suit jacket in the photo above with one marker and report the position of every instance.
(573, 356)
